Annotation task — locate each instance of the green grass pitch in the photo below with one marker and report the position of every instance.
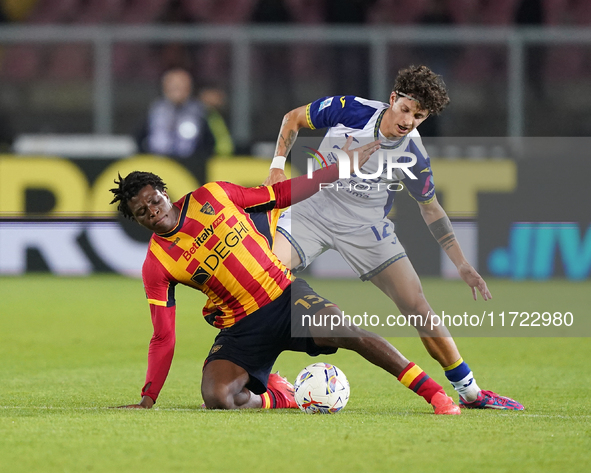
(72, 347)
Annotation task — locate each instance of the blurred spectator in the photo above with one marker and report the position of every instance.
(177, 127)
(214, 98)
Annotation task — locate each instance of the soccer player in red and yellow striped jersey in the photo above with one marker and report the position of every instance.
(216, 248)
(218, 239)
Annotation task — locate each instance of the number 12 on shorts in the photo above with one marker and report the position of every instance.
(384, 233)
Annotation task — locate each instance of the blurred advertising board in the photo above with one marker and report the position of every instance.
(518, 206)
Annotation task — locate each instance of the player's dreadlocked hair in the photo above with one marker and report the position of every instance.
(424, 85)
(130, 186)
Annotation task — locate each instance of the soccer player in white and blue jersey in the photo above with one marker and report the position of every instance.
(351, 216)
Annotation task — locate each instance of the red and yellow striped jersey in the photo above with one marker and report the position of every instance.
(221, 246)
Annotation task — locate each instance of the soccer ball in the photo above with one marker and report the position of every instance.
(321, 388)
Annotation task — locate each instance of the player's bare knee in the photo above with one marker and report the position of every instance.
(414, 309)
(218, 397)
(418, 313)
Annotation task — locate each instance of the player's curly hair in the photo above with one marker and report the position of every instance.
(423, 84)
(130, 186)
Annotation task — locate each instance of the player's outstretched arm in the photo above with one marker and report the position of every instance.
(442, 230)
(292, 122)
(160, 354)
(299, 188)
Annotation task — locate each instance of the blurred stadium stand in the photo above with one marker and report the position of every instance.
(52, 86)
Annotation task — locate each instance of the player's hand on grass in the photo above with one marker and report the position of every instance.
(364, 152)
(146, 403)
(275, 175)
(475, 281)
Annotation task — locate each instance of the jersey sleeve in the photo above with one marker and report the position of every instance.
(281, 194)
(158, 284)
(332, 111)
(160, 293)
(251, 199)
(421, 189)
(161, 350)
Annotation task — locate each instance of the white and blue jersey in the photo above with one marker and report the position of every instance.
(367, 200)
(351, 216)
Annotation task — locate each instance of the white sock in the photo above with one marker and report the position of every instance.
(467, 387)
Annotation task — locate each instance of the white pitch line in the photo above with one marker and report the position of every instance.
(56, 408)
(555, 416)
(53, 408)
(200, 409)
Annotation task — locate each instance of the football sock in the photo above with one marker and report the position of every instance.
(462, 379)
(413, 377)
(274, 399)
(268, 400)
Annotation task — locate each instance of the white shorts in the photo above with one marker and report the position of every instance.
(367, 249)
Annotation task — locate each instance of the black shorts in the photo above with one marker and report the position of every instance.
(255, 342)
